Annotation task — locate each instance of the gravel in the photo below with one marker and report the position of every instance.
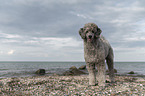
(70, 86)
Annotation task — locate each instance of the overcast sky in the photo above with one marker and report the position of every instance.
(47, 30)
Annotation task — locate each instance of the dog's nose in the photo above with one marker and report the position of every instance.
(90, 36)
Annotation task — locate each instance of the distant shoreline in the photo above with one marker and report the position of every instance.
(79, 61)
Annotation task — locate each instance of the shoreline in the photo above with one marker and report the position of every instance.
(70, 85)
(34, 74)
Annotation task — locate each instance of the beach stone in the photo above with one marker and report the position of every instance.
(115, 71)
(73, 68)
(131, 72)
(14, 82)
(73, 71)
(68, 73)
(1, 84)
(40, 71)
(77, 72)
(55, 74)
(82, 67)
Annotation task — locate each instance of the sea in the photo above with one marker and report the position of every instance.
(26, 69)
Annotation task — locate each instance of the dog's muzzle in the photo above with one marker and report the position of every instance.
(90, 38)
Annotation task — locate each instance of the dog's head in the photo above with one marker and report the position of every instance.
(90, 32)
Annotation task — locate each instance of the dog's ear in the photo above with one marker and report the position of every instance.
(81, 32)
(99, 31)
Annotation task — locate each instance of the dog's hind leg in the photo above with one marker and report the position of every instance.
(92, 74)
(110, 64)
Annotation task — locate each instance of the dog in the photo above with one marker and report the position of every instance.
(96, 50)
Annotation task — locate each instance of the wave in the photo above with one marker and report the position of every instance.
(3, 69)
(22, 73)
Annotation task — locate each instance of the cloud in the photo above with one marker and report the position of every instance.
(84, 16)
(135, 39)
(11, 52)
(1, 52)
(57, 43)
(42, 28)
(5, 35)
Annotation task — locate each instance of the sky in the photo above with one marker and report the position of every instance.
(47, 30)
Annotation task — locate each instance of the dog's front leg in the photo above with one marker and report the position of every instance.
(101, 73)
(92, 73)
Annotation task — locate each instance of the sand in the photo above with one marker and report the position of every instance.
(70, 86)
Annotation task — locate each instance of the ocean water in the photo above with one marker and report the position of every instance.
(24, 69)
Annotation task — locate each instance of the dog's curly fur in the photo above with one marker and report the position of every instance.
(96, 50)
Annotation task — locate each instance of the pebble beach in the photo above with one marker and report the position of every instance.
(70, 86)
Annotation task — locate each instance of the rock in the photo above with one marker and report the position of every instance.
(115, 71)
(68, 73)
(82, 67)
(107, 81)
(55, 74)
(77, 72)
(73, 71)
(73, 68)
(131, 72)
(40, 71)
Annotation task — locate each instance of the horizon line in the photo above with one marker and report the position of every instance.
(57, 61)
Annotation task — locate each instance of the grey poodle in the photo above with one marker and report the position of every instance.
(96, 50)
